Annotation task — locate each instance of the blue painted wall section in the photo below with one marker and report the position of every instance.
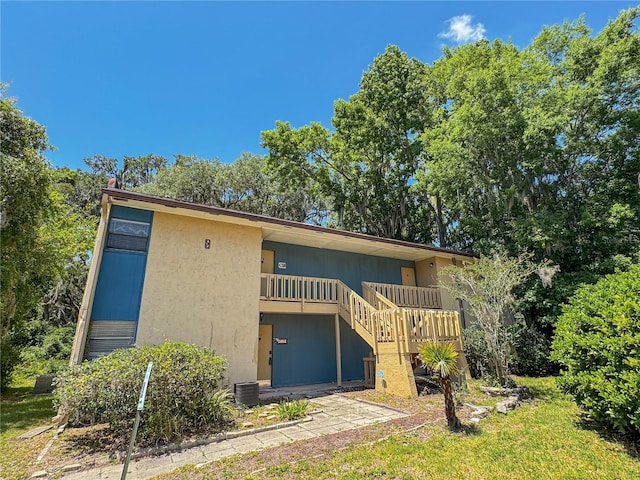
(310, 353)
(351, 268)
(309, 356)
(352, 350)
(121, 277)
(119, 286)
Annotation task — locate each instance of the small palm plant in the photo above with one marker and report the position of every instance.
(441, 358)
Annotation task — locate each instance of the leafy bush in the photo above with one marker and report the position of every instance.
(293, 410)
(598, 344)
(531, 351)
(184, 393)
(8, 360)
(476, 352)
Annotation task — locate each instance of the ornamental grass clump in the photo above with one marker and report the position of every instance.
(184, 394)
(293, 410)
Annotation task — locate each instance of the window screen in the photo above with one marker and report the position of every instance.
(128, 235)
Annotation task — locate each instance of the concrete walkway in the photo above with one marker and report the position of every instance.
(337, 414)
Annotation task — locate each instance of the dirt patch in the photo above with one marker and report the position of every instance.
(422, 404)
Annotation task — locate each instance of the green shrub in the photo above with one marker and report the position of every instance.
(531, 351)
(184, 394)
(597, 343)
(476, 352)
(8, 360)
(293, 410)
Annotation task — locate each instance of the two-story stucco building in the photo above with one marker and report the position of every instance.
(285, 302)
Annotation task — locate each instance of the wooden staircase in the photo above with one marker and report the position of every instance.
(393, 332)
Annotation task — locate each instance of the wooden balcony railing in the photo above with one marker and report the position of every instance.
(402, 296)
(298, 289)
(376, 317)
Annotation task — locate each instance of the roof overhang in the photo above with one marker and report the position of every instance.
(285, 231)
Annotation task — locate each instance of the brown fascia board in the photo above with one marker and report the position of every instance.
(117, 193)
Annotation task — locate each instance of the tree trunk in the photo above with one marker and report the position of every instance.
(442, 231)
(449, 403)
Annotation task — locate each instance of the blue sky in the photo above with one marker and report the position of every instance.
(205, 78)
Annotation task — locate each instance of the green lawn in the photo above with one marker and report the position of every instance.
(542, 440)
(546, 439)
(19, 413)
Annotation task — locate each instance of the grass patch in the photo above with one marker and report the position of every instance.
(20, 412)
(293, 410)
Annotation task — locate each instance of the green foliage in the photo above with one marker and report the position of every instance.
(366, 167)
(293, 410)
(597, 343)
(135, 171)
(475, 352)
(184, 394)
(531, 351)
(8, 360)
(44, 348)
(441, 358)
(242, 185)
(487, 285)
(25, 202)
(45, 241)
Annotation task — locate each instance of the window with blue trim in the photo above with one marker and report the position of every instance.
(128, 235)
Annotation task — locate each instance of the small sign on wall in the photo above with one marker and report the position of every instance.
(282, 265)
(281, 341)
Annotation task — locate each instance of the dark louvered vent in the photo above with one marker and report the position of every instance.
(127, 242)
(105, 336)
(128, 235)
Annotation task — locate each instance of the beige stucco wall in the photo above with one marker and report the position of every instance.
(426, 272)
(397, 371)
(207, 297)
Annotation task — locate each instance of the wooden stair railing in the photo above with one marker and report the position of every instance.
(404, 296)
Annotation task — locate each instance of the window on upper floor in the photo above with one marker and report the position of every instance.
(129, 235)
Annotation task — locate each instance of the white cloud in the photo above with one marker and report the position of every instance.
(462, 30)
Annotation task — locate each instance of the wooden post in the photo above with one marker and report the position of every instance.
(338, 352)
